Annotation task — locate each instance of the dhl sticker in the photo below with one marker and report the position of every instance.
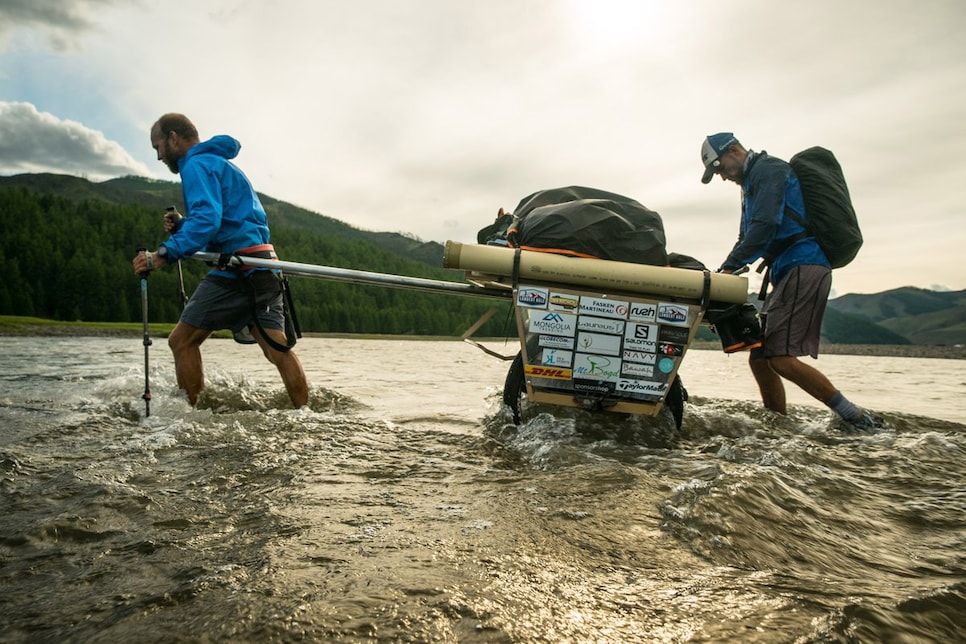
(556, 373)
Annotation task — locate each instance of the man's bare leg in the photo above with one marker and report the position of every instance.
(185, 343)
(769, 384)
(288, 365)
(810, 379)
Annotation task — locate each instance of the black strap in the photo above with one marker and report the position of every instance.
(291, 330)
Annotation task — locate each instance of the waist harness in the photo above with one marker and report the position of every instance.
(254, 281)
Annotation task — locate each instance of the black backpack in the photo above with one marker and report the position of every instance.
(828, 206)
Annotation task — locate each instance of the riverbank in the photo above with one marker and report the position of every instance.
(26, 326)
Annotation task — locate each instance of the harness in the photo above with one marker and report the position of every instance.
(254, 281)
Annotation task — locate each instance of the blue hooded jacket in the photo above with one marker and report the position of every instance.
(224, 214)
(767, 191)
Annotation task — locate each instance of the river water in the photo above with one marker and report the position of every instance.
(404, 505)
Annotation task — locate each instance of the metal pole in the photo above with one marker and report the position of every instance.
(363, 277)
(146, 341)
(182, 296)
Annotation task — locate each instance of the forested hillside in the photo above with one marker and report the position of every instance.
(66, 247)
(69, 258)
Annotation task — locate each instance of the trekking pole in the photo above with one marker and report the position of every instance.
(147, 339)
(182, 296)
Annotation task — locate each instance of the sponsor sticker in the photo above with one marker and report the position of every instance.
(599, 343)
(644, 357)
(675, 334)
(667, 349)
(557, 358)
(596, 367)
(563, 302)
(556, 342)
(646, 346)
(535, 298)
(555, 373)
(553, 323)
(643, 311)
(666, 365)
(637, 370)
(593, 387)
(603, 307)
(600, 325)
(672, 313)
(636, 331)
(645, 387)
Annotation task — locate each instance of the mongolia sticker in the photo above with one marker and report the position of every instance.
(553, 323)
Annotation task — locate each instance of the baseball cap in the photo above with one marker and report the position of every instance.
(711, 149)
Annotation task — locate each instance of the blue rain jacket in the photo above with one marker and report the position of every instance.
(224, 214)
(769, 188)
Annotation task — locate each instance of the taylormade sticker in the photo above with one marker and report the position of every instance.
(645, 387)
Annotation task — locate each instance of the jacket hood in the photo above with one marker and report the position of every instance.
(221, 145)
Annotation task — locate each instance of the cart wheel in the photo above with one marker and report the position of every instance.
(675, 399)
(514, 388)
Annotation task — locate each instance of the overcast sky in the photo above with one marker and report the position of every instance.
(426, 116)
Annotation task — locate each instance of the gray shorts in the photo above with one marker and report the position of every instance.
(793, 311)
(224, 303)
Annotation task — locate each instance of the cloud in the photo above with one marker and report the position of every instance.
(32, 141)
(62, 19)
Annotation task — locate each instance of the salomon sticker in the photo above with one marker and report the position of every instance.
(675, 334)
(556, 342)
(595, 367)
(534, 298)
(600, 325)
(604, 307)
(563, 302)
(643, 311)
(554, 373)
(599, 343)
(672, 314)
(554, 323)
(556, 358)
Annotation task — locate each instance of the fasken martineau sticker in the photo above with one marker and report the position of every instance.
(603, 307)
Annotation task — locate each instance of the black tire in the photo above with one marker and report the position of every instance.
(514, 386)
(677, 395)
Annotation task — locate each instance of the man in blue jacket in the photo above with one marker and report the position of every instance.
(799, 274)
(225, 216)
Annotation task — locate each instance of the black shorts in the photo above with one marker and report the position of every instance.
(793, 312)
(225, 303)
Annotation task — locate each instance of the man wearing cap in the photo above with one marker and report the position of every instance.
(798, 272)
